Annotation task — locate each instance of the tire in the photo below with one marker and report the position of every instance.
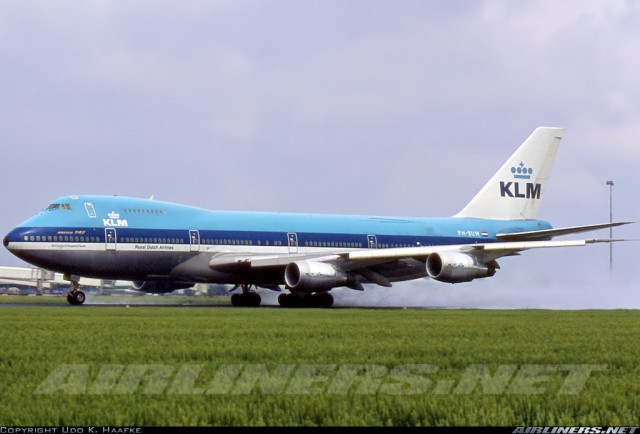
(284, 300)
(253, 299)
(323, 299)
(79, 297)
(308, 300)
(237, 299)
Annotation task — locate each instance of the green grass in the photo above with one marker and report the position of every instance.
(37, 342)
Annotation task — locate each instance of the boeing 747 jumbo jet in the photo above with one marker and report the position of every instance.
(164, 246)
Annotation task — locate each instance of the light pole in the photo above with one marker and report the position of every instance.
(610, 184)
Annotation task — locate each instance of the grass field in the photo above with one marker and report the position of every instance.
(231, 366)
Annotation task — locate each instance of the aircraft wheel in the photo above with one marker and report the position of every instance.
(323, 299)
(308, 300)
(246, 299)
(79, 297)
(289, 300)
(283, 299)
(253, 299)
(236, 300)
(70, 299)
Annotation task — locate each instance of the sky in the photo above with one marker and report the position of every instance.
(371, 107)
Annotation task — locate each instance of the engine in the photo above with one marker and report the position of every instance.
(159, 286)
(310, 276)
(455, 267)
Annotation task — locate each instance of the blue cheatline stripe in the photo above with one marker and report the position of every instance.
(253, 238)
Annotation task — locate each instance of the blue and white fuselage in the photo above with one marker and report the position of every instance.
(163, 246)
(137, 239)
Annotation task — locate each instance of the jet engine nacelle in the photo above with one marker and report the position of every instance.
(159, 286)
(455, 267)
(311, 276)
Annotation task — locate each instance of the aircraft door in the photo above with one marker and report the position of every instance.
(194, 240)
(293, 242)
(372, 241)
(110, 239)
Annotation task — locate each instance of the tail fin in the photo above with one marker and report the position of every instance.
(515, 191)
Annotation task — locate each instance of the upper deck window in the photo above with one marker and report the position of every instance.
(57, 206)
(145, 211)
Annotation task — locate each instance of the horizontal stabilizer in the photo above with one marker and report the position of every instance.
(547, 234)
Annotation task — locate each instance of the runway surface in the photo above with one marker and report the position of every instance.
(160, 302)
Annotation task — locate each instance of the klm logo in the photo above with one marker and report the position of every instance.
(114, 220)
(527, 190)
(522, 172)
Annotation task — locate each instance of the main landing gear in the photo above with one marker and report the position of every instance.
(250, 298)
(246, 298)
(317, 299)
(75, 296)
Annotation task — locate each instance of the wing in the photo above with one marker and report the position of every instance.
(549, 233)
(352, 268)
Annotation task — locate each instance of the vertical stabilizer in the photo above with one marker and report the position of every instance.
(516, 190)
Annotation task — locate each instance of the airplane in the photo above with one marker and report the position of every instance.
(163, 246)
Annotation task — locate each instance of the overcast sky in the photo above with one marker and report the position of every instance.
(333, 106)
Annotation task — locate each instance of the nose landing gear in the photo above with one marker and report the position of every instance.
(75, 296)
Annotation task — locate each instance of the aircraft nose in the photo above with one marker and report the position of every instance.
(11, 236)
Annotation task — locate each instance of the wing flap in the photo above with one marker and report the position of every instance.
(497, 249)
(236, 262)
(374, 277)
(359, 261)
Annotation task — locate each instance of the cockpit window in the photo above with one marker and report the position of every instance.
(57, 206)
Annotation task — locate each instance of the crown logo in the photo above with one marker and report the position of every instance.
(113, 215)
(522, 172)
